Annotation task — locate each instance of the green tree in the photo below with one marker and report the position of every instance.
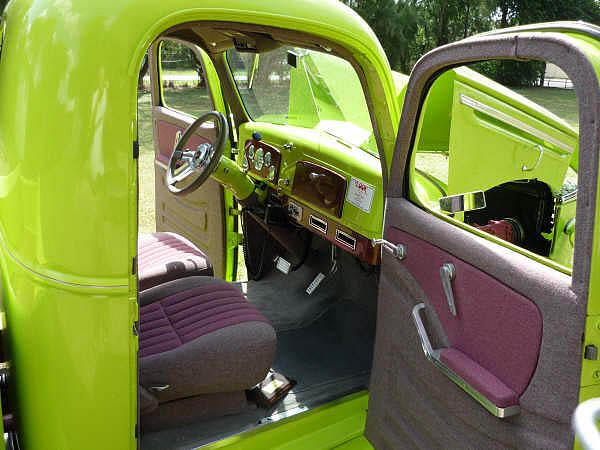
(395, 24)
(522, 12)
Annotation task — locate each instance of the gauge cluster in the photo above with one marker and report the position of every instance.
(262, 160)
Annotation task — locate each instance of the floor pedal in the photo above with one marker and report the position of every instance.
(312, 287)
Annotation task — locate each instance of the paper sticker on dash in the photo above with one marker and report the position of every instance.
(360, 194)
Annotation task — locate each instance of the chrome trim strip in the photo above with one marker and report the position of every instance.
(61, 282)
(434, 356)
(496, 114)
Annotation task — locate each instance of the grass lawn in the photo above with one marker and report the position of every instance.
(562, 102)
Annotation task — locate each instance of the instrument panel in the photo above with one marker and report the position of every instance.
(261, 159)
(315, 176)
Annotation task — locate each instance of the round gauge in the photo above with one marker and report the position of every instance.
(267, 158)
(259, 159)
(245, 163)
(251, 151)
(271, 173)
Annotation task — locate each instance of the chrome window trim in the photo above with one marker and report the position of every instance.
(503, 117)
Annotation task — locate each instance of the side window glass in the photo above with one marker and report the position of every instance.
(515, 144)
(184, 85)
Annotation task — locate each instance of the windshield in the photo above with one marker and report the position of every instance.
(304, 88)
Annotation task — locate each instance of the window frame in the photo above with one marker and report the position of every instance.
(197, 53)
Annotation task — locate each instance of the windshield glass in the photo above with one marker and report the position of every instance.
(304, 88)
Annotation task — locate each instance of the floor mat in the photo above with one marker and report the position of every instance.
(282, 298)
(323, 352)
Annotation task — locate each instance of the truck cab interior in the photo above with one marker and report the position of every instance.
(298, 178)
(305, 316)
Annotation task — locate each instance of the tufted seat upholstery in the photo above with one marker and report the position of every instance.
(200, 337)
(164, 257)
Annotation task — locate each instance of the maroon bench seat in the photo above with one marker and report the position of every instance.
(164, 257)
(201, 344)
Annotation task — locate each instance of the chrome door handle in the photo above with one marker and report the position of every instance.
(447, 274)
(399, 250)
(529, 169)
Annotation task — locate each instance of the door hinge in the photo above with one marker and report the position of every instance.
(136, 149)
(134, 265)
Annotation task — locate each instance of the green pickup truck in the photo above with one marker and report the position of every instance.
(415, 276)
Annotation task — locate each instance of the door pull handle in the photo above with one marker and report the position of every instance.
(447, 274)
(435, 357)
(540, 149)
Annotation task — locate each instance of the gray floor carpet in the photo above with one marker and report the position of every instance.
(283, 299)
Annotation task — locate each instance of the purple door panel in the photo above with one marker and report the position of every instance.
(166, 139)
(494, 328)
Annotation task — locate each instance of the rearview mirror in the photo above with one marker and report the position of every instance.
(468, 201)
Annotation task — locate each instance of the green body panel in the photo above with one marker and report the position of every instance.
(68, 194)
(68, 205)
(480, 143)
(338, 424)
(323, 149)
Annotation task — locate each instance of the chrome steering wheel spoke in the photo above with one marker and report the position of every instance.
(196, 165)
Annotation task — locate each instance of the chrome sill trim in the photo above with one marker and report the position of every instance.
(434, 356)
(496, 114)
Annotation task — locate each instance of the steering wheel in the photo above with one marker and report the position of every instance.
(196, 165)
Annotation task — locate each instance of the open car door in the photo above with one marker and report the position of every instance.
(185, 86)
(480, 343)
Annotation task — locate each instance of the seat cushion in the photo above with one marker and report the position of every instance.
(200, 335)
(164, 257)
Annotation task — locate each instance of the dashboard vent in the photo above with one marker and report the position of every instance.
(345, 239)
(318, 224)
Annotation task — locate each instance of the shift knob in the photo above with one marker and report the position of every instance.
(256, 136)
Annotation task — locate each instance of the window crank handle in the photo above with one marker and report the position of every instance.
(447, 274)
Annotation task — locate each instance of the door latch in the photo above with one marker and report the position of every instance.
(397, 250)
(447, 274)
